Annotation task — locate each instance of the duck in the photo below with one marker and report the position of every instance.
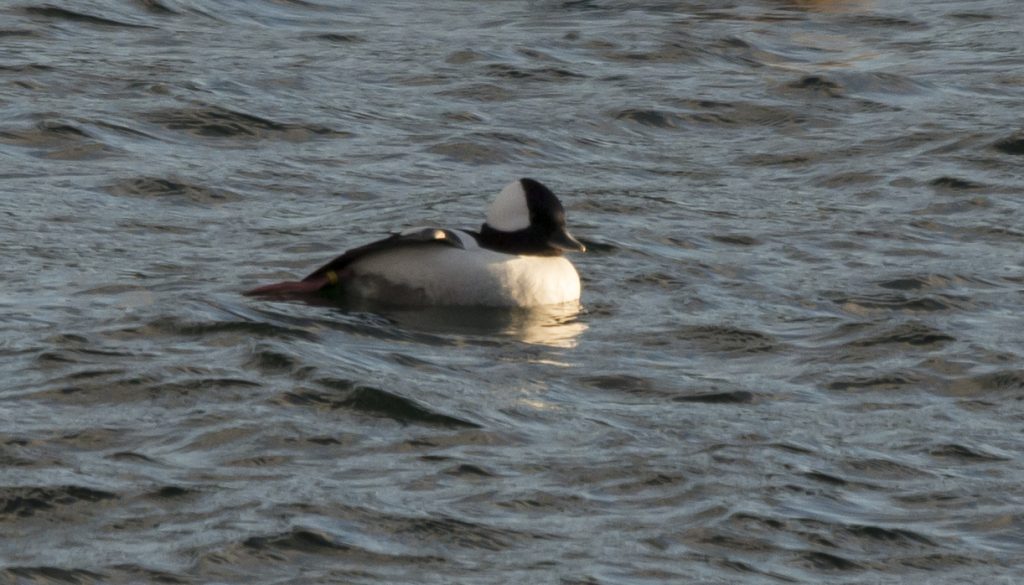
(515, 260)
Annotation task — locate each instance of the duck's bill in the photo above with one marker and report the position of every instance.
(563, 240)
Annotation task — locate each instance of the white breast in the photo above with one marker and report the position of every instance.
(443, 275)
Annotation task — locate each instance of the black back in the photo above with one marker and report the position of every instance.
(422, 237)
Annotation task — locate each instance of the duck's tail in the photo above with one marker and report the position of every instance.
(291, 288)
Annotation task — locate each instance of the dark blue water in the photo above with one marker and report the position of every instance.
(799, 359)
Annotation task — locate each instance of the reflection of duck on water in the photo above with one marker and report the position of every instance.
(551, 325)
(515, 260)
(830, 6)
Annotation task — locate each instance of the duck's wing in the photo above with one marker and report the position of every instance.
(408, 238)
(329, 274)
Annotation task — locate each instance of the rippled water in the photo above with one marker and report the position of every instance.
(799, 359)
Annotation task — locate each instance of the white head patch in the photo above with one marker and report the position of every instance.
(509, 211)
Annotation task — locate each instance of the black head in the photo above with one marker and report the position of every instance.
(526, 218)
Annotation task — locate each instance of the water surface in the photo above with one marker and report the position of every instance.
(799, 358)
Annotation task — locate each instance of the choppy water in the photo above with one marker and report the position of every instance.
(800, 357)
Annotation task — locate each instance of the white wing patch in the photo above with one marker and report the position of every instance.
(424, 233)
(509, 212)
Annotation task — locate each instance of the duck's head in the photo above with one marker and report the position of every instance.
(526, 218)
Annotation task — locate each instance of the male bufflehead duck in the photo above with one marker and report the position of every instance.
(515, 260)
